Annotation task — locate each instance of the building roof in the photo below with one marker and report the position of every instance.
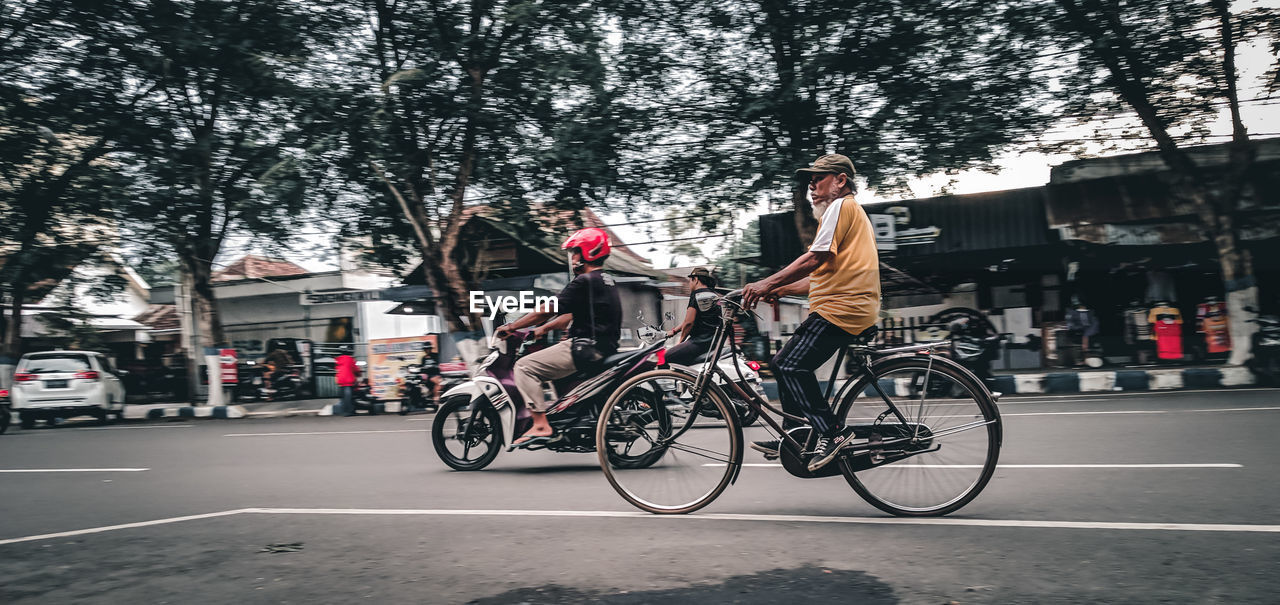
(558, 224)
(159, 317)
(252, 266)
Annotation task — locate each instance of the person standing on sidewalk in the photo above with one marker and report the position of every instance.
(841, 275)
(347, 374)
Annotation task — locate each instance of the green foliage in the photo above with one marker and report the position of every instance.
(498, 103)
(744, 93)
(1110, 59)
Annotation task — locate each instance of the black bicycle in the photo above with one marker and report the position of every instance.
(916, 454)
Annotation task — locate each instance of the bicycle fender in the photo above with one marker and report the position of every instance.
(937, 361)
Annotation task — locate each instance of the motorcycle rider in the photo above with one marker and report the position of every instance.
(277, 362)
(700, 321)
(592, 300)
(431, 369)
(841, 275)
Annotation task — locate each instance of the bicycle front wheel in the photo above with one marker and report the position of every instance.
(691, 446)
(945, 452)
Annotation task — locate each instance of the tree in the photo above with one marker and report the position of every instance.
(56, 185)
(211, 127)
(471, 102)
(749, 91)
(1172, 63)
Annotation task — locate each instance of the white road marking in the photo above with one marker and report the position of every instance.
(1085, 413)
(125, 428)
(1012, 397)
(1235, 409)
(73, 470)
(942, 521)
(106, 528)
(326, 433)
(1041, 466)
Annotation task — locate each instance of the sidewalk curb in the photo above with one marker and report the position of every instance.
(161, 411)
(1171, 379)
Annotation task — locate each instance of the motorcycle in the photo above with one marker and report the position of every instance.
(1265, 344)
(480, 415)
(730, 360)
(974, 344)
(363, 398)
(416, 390)
(249, 381)
(286, 383)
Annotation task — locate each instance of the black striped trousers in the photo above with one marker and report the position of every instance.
(813, 343)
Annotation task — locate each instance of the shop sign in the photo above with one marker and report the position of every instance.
(227, 361)
(885, 227)
(388, 357)
(890, 233)
(330, 298)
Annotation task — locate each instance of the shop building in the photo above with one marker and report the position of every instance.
(1104, 250)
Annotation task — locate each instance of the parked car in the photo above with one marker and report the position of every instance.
(63, 384)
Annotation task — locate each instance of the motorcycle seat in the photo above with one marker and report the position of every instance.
(617, 358)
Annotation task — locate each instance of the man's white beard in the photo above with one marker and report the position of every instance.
(819, 209)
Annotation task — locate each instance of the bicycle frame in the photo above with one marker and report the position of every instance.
(865, 353)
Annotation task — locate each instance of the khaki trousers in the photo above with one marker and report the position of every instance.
(553, 362)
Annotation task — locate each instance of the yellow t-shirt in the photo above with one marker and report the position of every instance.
(846, 290)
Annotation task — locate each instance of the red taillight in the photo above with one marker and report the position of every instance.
(23, 377)
(661, 354)
(754, 365)
(4, 393)
(87, 375)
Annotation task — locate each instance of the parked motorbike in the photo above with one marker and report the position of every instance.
(249, 381)
(5, 415)
(1265, 345)
(477, 417)
(975, 343)
(364, 399)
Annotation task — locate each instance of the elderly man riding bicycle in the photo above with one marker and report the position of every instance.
(841, 275)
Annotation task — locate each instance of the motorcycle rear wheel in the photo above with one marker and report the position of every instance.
(476, 434)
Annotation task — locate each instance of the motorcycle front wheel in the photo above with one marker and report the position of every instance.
(467, 436)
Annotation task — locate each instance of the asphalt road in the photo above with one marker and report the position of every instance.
(373, 515)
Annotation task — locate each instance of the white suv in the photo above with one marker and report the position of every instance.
(62, 384)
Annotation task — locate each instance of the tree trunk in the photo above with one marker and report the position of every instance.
(806, 224)
(1239, 284)
(203, 302)
(13, 329)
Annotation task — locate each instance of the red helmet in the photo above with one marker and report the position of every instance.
(593, 242)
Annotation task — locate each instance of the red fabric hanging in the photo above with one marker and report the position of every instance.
(1168, 339)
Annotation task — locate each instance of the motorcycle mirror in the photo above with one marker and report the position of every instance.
(669, 315)
(640, 315)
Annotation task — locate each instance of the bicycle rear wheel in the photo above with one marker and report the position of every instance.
(945, 453)
(699, 446)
